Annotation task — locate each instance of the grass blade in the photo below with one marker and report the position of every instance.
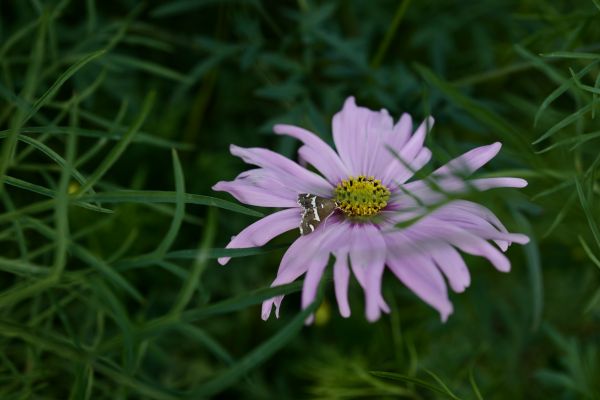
(119, 148)
(255, 357)
(154, 196)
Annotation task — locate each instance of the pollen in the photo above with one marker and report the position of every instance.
(361, 196)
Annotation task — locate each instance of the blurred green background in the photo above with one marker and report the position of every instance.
(115, 121)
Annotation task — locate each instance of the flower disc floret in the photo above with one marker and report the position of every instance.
(361, 196)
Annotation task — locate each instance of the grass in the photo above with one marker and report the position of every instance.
(115, 122)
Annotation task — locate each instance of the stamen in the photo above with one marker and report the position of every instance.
(361, 196)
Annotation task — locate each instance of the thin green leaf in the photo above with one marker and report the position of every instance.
(107, 271)
(147, 66)
(255, 357)
(191, 254)
(572, 54)
(169, 238)
(534, 268)
(54, 156)
(205, 339)
(119, 148)
(190, 285)
(390, 33)
(588, 212)
(410, 379)
(240, 302)
(502, 127)
(474, 386)
(442, 384)
(61, 81)
(570, 119)
(556, 93)
(153, 196)
(9, 180)
(589, 251)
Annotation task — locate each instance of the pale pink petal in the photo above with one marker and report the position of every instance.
(306, 252)
(294, 263)
(298, 178)
(269, 181)
(478, 210)
(418, 273)
(312, 279)
(450, 262)
(336, 239)
(401, 133)
(398, 172)
(406, 160)
(341, 278)
(422, 192)
(367, 258)
(391, 145)
(415, 143)
(249, 193)
(263, 230)
(465, 241)
(470, 161)
(476, 223)
(356, 130)
(316, 152)
(438, 250)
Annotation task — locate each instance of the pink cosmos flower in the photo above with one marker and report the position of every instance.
(352, 209)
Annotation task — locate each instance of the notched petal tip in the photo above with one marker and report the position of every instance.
(373, 316)
(429, 121)
(280, 129)
(446, 312)
(223, 260)
(519, 238)
(236, 150)
(218, 187)
(310, 319)
(266, 309)
(444, 317)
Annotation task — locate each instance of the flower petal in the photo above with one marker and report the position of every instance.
(465, 241)
(450, 262)
(263, 230)
(470, 161)
(422, 192)
(341, 278)
(312, 279)
(291, 174)
(398, 172)
(418, 273)
(401, 133)
(474, 220)
(259, 187)
(316, 152)
(415, 143)
(367, 258)
(305, 253)
(356, 127)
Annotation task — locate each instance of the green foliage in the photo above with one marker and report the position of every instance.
(115, 121)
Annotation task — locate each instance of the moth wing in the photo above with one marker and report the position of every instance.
(305, 200)
(309, 223)
(325, 207)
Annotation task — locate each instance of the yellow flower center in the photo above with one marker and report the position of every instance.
(361, 196)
